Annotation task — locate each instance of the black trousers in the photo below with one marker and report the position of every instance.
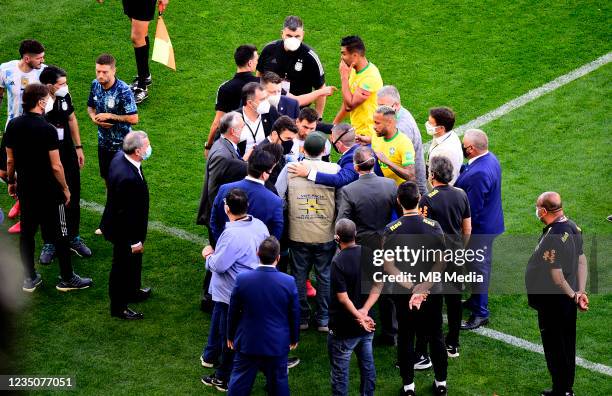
(557, 324)
(425, 322)
(125, 277)
(50, 215)
(454, 312)
(73, 211)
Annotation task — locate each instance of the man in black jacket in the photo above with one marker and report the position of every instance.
(124, 223)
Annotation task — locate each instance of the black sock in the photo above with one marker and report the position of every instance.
(142, 63)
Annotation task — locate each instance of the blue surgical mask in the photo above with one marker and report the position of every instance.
(147, 153)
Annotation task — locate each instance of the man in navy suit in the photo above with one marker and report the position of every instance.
(124, 223)
(263, 324)
(263, 204)
(481, 179)
(284, 104)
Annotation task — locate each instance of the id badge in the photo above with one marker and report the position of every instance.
(285, 85)
(60, 134)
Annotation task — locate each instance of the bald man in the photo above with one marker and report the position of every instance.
(555, 278)
(481, 180)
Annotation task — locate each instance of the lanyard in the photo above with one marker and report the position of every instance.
(254, 134)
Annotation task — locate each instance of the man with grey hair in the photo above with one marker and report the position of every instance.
(448, 206)
(390, 96)
(481, 180)
(224, 165)
(394, 150)
(297, 64)
(124, 224)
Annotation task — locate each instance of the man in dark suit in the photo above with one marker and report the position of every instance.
(263, 203)
(285, 105)
(225, 165)
(263, 324)
(124, 224)
(481, 179)
(368, 201)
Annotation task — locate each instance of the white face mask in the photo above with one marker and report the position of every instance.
(263, 107)
(274, 100)
(431, 130)
(61, 92)
(49, 105)
(292, 43)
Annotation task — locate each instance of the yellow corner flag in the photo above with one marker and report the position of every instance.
(162, 47)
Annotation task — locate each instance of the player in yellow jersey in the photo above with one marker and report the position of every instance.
(360, 82)
(394, 150)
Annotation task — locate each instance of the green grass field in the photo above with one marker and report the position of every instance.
(473, 56)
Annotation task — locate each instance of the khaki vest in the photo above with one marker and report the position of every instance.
(311, 207)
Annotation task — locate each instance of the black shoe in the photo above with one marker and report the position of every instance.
(211, 380)
(141, 295)
(452, 351)
(128, 314)
(140, 95)
(207, 364)
(292, 362)
(474, 322)
(439, 390)
(30, 284)
(406, 392)
(423, 362)
(136, 83)
(549, 392)
(75, 283)
(207, 304)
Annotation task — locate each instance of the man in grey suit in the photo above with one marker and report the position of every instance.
(370, 202)
(224, 166)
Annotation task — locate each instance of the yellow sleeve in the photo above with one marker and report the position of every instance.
(407, 152)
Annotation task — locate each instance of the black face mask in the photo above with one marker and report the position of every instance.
(287, 146)
(464, 149)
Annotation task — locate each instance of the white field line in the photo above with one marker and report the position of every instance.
(532, 95)
(155, 225)
(530, 346)
(475, 123)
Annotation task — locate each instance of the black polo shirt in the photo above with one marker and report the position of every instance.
(415, 233)
(347, 269)
(230, 92)
(31, 138)
(559, 247)
(449, 206)
(302, 67)
(58, 117)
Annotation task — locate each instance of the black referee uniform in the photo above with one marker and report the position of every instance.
(58, 117)
(141, 10)
(449, 206)
(302, 68)
(559, 247)
(416, 232)
(229, 94)
(31, 138)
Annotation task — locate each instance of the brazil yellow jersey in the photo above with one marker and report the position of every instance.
(398, 149)
(370, 80)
